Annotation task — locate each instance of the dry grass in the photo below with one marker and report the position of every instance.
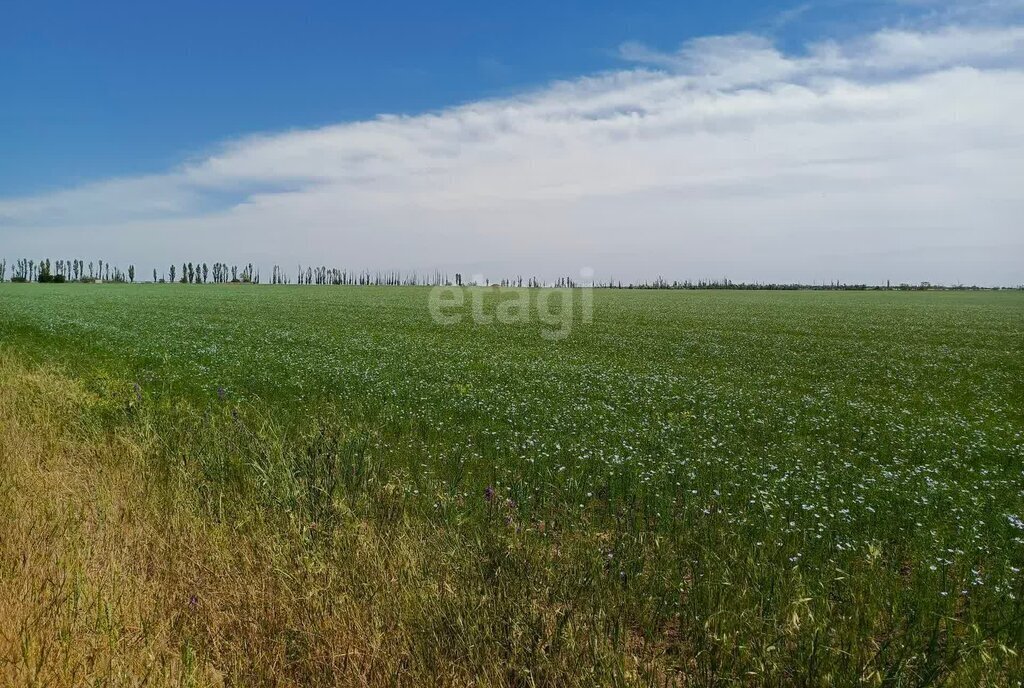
(82, 592)
(108, 578)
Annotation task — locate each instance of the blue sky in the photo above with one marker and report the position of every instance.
(858, 141)
(117, 87)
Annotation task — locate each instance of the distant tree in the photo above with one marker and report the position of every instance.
(44, 274)
(172, 273)
(131, 273)
(206, 273)
(3, 270)
(184, 273)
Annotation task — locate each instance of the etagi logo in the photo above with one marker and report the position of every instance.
(555, 309)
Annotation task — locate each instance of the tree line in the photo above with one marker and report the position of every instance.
(203, 273)
(49, 271)
(58, 271)
(78, 270)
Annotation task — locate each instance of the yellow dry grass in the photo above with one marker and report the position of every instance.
(84, 597)
(108, 579)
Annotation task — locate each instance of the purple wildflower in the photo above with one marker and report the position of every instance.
(489, 494)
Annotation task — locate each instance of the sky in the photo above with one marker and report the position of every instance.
(814, 142)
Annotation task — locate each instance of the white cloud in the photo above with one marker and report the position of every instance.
(744, 59)
(895, 155)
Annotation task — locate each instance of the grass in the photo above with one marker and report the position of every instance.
(263, 486)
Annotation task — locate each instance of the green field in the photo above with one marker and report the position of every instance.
(697, 488)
